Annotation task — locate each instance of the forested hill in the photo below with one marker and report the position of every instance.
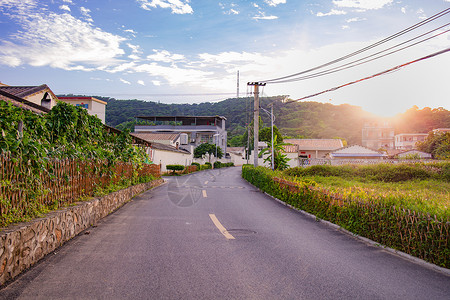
(303, 119)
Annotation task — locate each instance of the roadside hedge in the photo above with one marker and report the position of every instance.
(378, 172)
(381, 221)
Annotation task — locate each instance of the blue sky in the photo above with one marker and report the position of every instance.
(190, 51)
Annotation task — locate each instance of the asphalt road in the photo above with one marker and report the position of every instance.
(166, 244)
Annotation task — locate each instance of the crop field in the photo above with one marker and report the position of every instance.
(419, 187)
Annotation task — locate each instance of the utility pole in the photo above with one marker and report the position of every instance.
(237, 92)
(256, 121)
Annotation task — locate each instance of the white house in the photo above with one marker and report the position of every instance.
(94, 106)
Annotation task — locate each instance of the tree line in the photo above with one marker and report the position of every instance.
(295, 120)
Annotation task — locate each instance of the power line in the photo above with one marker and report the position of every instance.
(400, 33)
(373, 76)
(366, 58)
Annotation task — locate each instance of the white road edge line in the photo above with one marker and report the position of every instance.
(219, 226)
(204, 194)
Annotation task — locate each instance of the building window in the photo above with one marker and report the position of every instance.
(83, 105)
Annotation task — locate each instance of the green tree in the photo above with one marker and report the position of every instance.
(437, 144)
(265, 134)
(209, 149)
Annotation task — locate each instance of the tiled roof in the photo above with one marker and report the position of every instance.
(23, 91)
(155, 136)
(160, 146)
(22, 103)
(356, 150)
(315, 144)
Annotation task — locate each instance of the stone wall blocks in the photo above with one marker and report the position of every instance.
(22, 246)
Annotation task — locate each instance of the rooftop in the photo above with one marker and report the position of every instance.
(22, 103)
(315, 144)
(157, 136)
(82, 98)
(185, 120)
(23, 91)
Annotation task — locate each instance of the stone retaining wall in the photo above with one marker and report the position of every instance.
(22, 245)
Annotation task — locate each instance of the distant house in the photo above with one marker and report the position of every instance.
(312, 148)
(195, 130)
(414, 153)
(356, 152)
(378, 134)
(165, 154)
(441, 130)
(406, 141)
(94, 106)
(237, 155)
(41, 95)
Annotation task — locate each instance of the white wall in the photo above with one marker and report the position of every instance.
(170, 158)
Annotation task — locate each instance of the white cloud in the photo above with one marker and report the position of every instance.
(262, 16)
(65, 7)
(355, 20)
(275, 2)
(345, 27)
(177, 6)
(362, 4)
(56, 40)
(141, 82)
(124, 81)
(333, 12)
(86, 13)
(231, 11)
(68, 1)
(165, 56)
(156, 82)
(404, 9)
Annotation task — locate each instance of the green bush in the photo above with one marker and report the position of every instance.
(174, 168)
(218, 165)
(196, 164)
(379, 172)
(205, 166)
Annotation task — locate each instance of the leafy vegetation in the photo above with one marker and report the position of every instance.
(175, 168)
(280, 159)
(438, 144)
(208, 149)
(397, 214)
(31, 143)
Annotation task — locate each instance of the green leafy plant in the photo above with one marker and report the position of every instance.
(175, 168)
(280, 159)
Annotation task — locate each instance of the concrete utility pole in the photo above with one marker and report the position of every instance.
(256, 121)
(237, 91)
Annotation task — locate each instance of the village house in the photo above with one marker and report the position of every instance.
(407, 141)
(312, 148)
(377, 134)
(94, 106)
(41, 95)
(195, 130)
(356, 152)
(413, 154)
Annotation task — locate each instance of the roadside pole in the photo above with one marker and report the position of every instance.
(256, 120)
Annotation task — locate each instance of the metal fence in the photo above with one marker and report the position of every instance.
(60, 181)
(338, 162)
